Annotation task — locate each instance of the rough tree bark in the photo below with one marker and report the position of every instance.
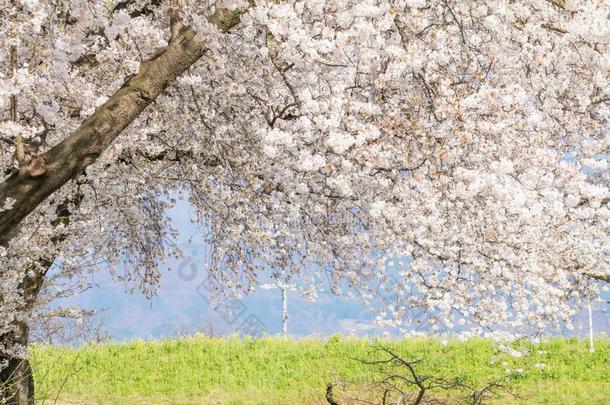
(47, 172)
(16, 381)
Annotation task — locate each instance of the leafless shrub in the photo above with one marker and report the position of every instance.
(402, 384)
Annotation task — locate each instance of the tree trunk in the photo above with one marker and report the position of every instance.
(16, 380)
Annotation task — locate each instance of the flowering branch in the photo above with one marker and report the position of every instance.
(49, 171)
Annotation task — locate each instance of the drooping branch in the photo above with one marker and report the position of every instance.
(47, 172)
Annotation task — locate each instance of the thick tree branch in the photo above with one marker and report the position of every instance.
(171, 155)
(49, 171)
(558, 3)
(600, 277)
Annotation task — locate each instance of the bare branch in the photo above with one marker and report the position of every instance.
(413, 387)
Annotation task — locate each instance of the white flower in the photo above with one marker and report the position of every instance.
(377, 208)
(340, 141)
(416, 3)
(190, 80)
(340, 185)
(8, 204)
(308, 162)
(100, 101)
(278, 137)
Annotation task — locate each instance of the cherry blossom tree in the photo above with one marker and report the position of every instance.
(469, 136)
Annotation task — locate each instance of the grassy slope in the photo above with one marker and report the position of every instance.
(284, 371)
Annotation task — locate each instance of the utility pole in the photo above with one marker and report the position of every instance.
(283, 287)
(284, 294)
(591, 348)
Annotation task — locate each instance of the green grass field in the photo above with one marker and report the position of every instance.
(202, 370)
